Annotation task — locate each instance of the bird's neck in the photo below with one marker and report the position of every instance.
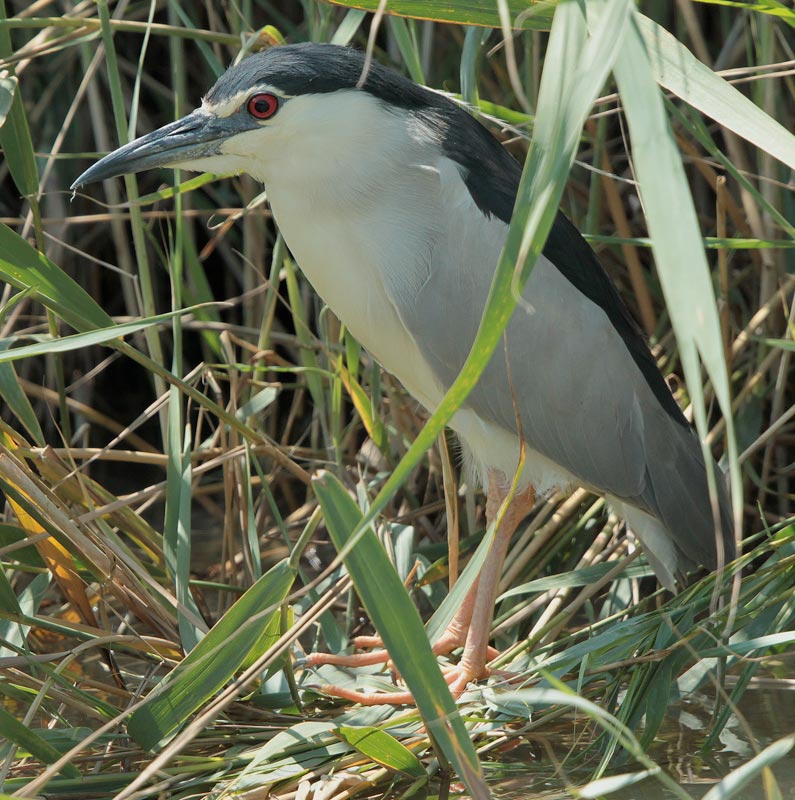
(365, 241)
(383, 214)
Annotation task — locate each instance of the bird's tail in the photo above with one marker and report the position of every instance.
(673, 518)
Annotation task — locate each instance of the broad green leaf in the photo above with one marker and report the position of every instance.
(18, 149)
(781, 344)
(575, 578)
(177, 523)
(499, 112)
(14, 731)
(744, 648)
(26, 268)
(452, 602)
(348, 27)
(654, 702)
(396, 619)
(214, 660)
(14, 629)
(183, 187)
(290, 753)
(258, 403)
(525, 14)
(382, 748)
(673, 225)
(773, 7)
(409, 50)
(77, 341)
(15, 138)
(372, 422)
(678, 70)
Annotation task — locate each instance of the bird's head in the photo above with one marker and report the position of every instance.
(285, 110)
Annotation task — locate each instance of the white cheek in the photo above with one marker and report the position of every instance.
(220, 165)
(244, 144)
(250, 151)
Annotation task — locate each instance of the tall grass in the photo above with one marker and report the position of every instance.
(190, 441)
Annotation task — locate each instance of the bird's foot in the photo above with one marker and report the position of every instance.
(470, 626)
(452, 639)
(457, 676)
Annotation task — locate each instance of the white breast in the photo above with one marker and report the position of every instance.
(368, 233)
(339, 257)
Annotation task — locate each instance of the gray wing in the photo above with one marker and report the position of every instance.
(573, 381)
(583, 399)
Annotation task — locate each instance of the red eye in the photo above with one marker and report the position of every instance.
(263, 105)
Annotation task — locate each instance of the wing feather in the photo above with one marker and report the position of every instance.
(585, 401)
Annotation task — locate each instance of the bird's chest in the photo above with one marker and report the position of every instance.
(349, 258)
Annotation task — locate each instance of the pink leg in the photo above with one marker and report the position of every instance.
(469, 628)
(477, 652)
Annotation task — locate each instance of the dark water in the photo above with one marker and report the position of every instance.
(766, 714)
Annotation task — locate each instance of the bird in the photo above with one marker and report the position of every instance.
(395, 202)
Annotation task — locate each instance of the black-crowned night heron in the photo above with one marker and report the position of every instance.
(395, 203)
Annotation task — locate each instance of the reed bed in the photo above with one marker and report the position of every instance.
(189, 439)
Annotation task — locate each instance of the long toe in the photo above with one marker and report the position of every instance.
(370, 698)
(352, 660)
